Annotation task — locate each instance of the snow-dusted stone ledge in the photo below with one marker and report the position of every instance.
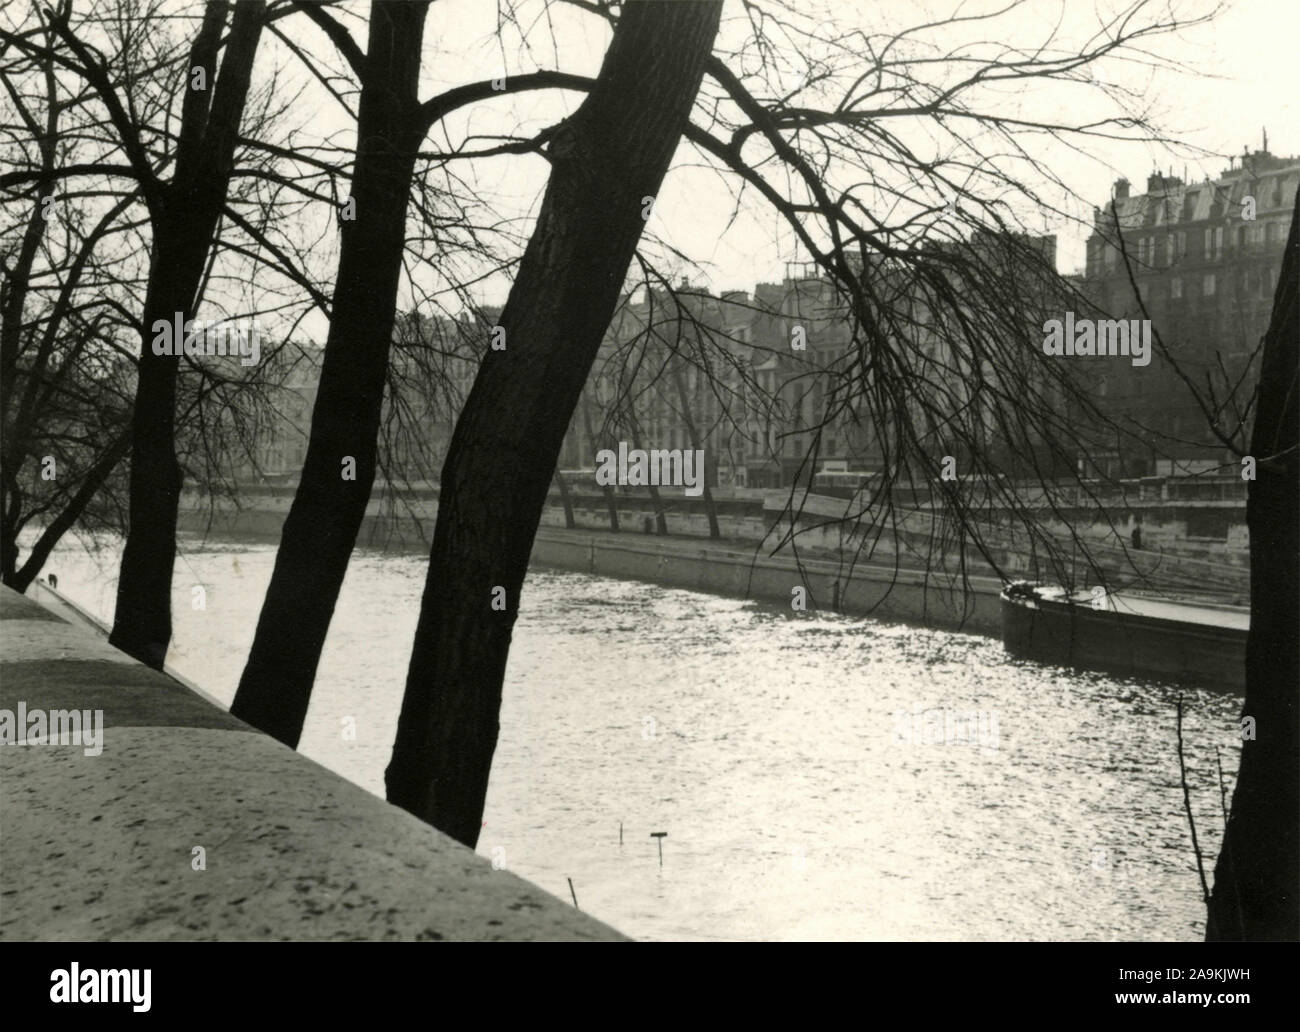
(179, 822)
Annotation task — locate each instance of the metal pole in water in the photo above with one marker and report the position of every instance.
(572, 893)
(620, 833)
(660, 835)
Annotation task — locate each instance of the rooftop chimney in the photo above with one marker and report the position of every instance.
(1157, 183)
(1121, 189)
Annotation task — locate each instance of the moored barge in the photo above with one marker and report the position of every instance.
(1128, 635)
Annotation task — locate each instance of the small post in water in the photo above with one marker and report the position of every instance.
(660, 835)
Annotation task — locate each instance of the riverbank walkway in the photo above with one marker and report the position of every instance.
(180, 822)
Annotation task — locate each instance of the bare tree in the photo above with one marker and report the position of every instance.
(339, 469)
(342, 453)
(1255, 893)
(608, 160)
(1256, 879)
(941, 356)
(122, 106)
(183, 214)
(611, 500)
(63, 399)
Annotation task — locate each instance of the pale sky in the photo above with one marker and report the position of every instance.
(1241, 79)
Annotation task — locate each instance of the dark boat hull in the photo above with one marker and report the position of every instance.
(1072, 634)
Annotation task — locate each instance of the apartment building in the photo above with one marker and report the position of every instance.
(1205, 258)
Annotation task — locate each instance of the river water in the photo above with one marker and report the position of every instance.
(818, 776)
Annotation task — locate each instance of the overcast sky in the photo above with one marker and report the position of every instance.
(1240, 79)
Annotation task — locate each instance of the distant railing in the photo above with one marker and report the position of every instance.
(1089, 493)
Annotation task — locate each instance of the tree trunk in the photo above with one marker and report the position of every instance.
(566, 501)
(22, 429)
(92, 481)
(1257, 877)
(611, 499)
(656, 499)
(184, 229)
(608, 159)
(321, 528)
(684, 399)
(17, 278)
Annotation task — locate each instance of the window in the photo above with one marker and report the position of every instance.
(1169, 249)
(1213, 243)
(1176, 287)
(1207, 284)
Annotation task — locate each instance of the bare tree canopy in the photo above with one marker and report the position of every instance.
(226, 218)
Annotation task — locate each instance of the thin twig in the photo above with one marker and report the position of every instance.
(1223, 793)
(1187, 805)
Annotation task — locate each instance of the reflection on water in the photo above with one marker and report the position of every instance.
(817, 776)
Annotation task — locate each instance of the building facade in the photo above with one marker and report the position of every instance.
(1205, 259)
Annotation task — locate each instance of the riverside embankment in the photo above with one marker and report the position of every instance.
(1192, 530)
(827, 572)
(767, 744)
(914, 595)
(735, 566)
(175, 821)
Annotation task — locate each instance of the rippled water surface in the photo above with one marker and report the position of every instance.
(767, 746)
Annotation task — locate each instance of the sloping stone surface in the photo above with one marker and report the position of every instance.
(105, 847)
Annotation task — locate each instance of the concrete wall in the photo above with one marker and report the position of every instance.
(101, 846)
(866, 590)
(1167, 522)
(1174, 575)
(691, 559)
